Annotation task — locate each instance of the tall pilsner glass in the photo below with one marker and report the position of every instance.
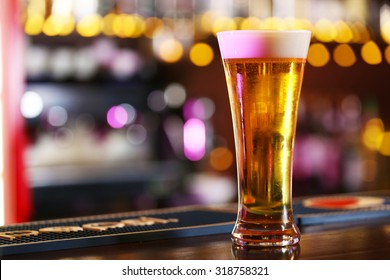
(264, 72)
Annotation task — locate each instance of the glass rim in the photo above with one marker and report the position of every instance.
(264, 43)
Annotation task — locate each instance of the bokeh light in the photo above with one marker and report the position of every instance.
(108, 24)
(61, 63)
(384, 21)
(125, 63)
(324, 30)
(384, 149)
(373, 133)
(57, 116)
(223, 23)
(251, 23)
(201, 108)
(136, 134)
(31, 105)
(34, 24)
(128, 26)
(151, 25)
(85, 64)
(221, 158)
(171, 50)
(360, 32)
(68, 27)
(131, 112)
(36, 61)
(344, 56)
(194, 136)
(90, 25)
(117, 117)
(274, 23)
(387, 54)
(175, 95)
(344, 32)
(53, 25)
(201, 54)
(371, 53)
(156, 101)
(318, 55)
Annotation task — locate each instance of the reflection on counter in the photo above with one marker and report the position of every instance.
(270, 253)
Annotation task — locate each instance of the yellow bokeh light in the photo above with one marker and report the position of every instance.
(108, 21)
(90, 25)
(34, 24)
(140, 26)
(128, 26)
(360, 32)
(274, 23)
(224, 23)
(171, 50)
(123, 25)
(221, 158)
(53, 25)
(298, 23)
(207, 21)
(69, 26)
(324, 30)
(201, 54)
(373, 134)
(387, 54)
(384, 148)
(318, 55)
(343, 32)
(371, 53)
(250, 23)
(151, 25)
(36, 7)
(344, 56)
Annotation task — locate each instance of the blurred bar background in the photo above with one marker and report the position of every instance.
(125, 103)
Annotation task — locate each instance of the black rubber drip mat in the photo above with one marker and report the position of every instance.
(73, 232)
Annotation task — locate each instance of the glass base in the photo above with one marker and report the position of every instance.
(265, 235)
(266, 253)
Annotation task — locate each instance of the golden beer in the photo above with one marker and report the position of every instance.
(264, 95)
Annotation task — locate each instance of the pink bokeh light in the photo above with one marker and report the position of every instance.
(194, 136)
(117, 117)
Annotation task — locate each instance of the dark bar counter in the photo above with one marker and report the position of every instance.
(181, 236)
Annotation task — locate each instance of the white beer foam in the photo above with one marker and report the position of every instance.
(264, 43)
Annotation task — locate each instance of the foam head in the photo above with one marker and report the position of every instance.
(264, 43)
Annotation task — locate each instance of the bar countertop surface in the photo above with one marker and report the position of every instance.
(364, 239)
(369, 241)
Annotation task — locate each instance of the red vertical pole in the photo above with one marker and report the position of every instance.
(16, 193)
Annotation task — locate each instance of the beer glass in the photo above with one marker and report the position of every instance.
(264, 72)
